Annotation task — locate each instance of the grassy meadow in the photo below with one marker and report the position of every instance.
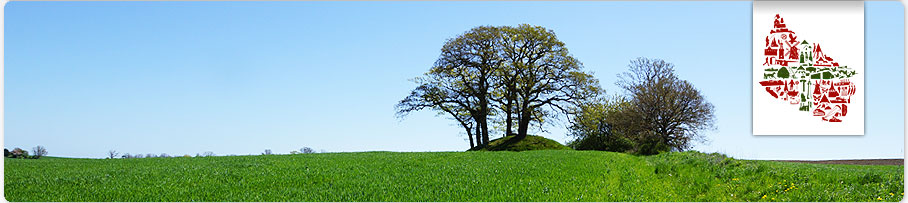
(547, 175)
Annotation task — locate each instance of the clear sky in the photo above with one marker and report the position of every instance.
(82, 78)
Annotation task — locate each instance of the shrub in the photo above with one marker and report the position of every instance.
(18, 153)
(598, 124)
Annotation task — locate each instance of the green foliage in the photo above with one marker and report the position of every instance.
(514, 143)
(516, 74)
(552, 175)
(596, 125)
(783, 73)
(18, 153)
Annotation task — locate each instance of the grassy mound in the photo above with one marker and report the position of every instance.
(503, 176)
(530, 142)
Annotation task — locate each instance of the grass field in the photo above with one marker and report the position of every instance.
(549, 175)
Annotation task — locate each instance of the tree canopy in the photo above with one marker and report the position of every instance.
(521, 74)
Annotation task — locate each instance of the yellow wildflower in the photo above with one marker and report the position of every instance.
(764, 197)
(890, 194)
(878, 198)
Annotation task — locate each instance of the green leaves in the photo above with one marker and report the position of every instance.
(505, 72)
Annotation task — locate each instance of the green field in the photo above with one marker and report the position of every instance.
(549, 175)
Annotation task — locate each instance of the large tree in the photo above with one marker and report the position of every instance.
(523, 74)
(668, 113)
(441, 100)
(460, 81)
(540, 73)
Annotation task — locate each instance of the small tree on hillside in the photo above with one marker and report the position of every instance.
(307, 150)
(112, 154)
(666, 112)
(39, 151)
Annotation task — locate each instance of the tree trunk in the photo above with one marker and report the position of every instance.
(524, 123)
(482, 122)
(470, 136)
(509, 119)
(479, 141)
(483, 125)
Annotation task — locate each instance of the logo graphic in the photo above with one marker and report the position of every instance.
(796, 71)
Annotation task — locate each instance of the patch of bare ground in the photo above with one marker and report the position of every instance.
(853, 161)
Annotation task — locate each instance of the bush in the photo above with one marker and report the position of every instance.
(599, 125)
(18, 153)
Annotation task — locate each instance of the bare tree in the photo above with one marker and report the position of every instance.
(39, 151)
(164, 155)
(307, 150)
(208, 154)
(267, 152)
(139, 156)
(112, 154)
(668, 112)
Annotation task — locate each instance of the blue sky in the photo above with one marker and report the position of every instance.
(82, 78)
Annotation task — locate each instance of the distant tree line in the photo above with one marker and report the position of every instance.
(112, 154)
(37, 152)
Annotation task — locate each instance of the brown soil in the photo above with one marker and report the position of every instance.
(854, 161)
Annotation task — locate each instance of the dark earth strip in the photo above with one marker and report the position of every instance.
(853, 161)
